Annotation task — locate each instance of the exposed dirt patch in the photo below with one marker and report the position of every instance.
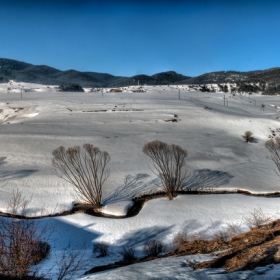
(171, 120)
(127, 110)
(94, 111)
(17, 109)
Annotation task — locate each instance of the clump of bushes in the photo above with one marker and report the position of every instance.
(101, 248)
(71, 87)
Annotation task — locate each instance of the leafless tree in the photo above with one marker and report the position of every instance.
(170, 165)
(248, 136)
(85, 168)
(273, 145)
(22, 241)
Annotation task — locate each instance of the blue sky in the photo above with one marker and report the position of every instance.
(142, 37)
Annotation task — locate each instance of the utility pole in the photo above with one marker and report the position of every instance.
(224, 100)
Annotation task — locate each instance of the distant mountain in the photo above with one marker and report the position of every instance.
(267, 76)
(104, 77)
(26, 72)
(268, 80)
(220, 77)
(164, 78)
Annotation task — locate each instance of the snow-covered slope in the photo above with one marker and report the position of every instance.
(121, 123)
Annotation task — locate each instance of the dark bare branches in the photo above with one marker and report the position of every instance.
(153, 248)
(69, 263)
(169, 163)
(273, 145)
(22, 241)
(85, 169)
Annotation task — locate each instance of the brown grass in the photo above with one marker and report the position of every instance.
(258, 247)
(198, 244)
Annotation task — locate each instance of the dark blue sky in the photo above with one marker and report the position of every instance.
(135, 37)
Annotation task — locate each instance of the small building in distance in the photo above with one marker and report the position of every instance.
(115, 90)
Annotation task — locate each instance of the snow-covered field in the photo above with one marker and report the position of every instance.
(121, 123)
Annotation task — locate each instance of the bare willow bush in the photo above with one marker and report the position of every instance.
(257, 218)
(169, 163)
(84, 168)
(273, 145)
(181, 238)
(152, 248)
(248, 136)
(23, 242)
(128, 253)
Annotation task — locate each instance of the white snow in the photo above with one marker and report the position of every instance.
(121, 123)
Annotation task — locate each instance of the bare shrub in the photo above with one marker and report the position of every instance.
(42, 249)
(128, 253)
(233, 230)
(273, 145)
(153, 248)
(85, 169)
(248, 136)
(170, 165)
(196, 237)
(22, 241)
(221, 236)
(180, 239)
(69, 263)
(224, 236)
(101, 248)
(257, 218)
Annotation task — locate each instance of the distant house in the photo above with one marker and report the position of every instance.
(115, 90)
